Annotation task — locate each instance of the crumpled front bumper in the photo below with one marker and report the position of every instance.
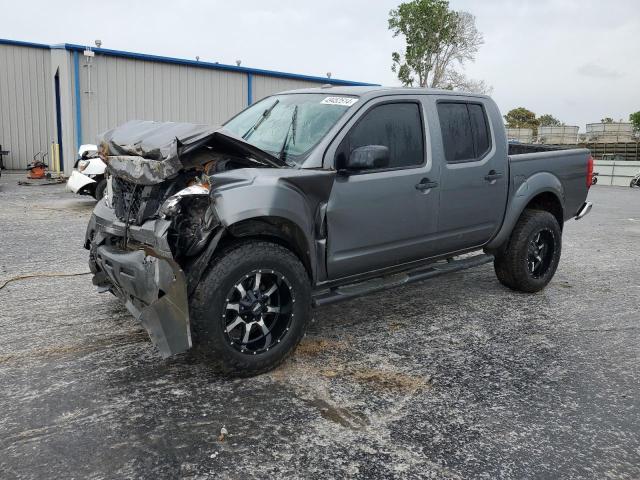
(147, 279)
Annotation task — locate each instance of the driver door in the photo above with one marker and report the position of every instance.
(384, 217)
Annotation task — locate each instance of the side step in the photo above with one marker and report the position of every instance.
(347, 292)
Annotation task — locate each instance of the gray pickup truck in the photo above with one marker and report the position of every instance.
(224, 239)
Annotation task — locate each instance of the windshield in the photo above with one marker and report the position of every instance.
(289, 126)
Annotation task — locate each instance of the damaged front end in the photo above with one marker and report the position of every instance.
(153, 234)
(141, 265)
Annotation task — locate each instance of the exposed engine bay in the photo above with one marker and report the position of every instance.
(163, 170)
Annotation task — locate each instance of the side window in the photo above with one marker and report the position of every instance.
(397, 126)
(481, 135)
(465, 132)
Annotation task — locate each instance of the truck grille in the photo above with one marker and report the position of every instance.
(127, 199)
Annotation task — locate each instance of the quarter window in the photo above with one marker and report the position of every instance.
(465, 131)
(397, 126)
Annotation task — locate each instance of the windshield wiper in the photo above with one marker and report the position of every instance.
(292, 128)
(264, 116)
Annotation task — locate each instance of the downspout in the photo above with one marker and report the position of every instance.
(76, 74)
(249, 88)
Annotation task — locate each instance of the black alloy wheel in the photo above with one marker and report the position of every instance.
(540, 253)
(258, 311)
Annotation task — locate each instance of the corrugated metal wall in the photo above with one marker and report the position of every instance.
(122, 89)
(264, 86)
(114, 87)
(26, 103)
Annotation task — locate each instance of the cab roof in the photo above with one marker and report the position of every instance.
(378, 91)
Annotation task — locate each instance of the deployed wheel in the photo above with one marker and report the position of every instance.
(530, 258)
(251, 308)
(632, 183)
(100, 189)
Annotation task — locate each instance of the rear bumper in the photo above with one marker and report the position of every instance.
(147, 279)
(584, 210)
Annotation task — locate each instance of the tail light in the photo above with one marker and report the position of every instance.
(589, 171)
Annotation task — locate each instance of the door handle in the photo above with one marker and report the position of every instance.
(426, 184)
(492, 175)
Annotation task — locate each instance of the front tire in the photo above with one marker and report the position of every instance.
(251, 308)
(529, 260)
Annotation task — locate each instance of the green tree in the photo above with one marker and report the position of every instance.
(634, 118)
(437, 41)
(522, 118)
(548, 120)
(606, 120)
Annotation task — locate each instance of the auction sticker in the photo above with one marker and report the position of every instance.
(341, 101)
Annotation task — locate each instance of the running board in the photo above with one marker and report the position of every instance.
(347, 292)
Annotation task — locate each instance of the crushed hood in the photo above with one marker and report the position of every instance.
(148, 153)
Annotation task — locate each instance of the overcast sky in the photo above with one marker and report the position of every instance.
(576, 59)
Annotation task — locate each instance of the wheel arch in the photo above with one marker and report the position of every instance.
(549, 202)
(276, 229)
(542, 191)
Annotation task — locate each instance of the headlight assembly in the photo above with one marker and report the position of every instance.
(171, 206)
(192, 218)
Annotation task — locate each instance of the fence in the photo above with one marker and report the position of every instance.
(627, 150)
(616, 173)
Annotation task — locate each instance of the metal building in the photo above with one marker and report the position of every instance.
(66, 94)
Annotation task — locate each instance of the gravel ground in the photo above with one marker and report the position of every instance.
(456, 377)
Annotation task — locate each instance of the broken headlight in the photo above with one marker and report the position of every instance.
(171, 207)
(108, 194)
(192, 217)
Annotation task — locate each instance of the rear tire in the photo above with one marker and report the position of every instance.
(529, 260)
(226, 305)
(632, 183)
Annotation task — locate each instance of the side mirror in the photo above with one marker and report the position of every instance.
(368, 157)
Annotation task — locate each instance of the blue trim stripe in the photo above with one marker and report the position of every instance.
(194, 63)
(76, 77)
(215, 66)
(249, 88)
(18, 43)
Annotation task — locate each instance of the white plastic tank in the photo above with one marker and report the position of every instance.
(561, 135)
(522, 135)
(610, 132)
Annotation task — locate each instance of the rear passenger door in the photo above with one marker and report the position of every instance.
(474, 176)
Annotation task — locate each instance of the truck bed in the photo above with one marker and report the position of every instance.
(566, 169)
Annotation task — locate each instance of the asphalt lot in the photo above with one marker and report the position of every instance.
(455, 377)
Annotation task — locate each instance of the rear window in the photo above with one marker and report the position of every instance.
(465, 131)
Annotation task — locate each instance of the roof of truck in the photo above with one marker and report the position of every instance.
(376, 91)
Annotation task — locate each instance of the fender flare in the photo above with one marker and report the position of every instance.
(526, 189)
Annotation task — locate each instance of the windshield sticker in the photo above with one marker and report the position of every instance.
(342, 101)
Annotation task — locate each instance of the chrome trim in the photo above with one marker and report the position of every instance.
(586, 208)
